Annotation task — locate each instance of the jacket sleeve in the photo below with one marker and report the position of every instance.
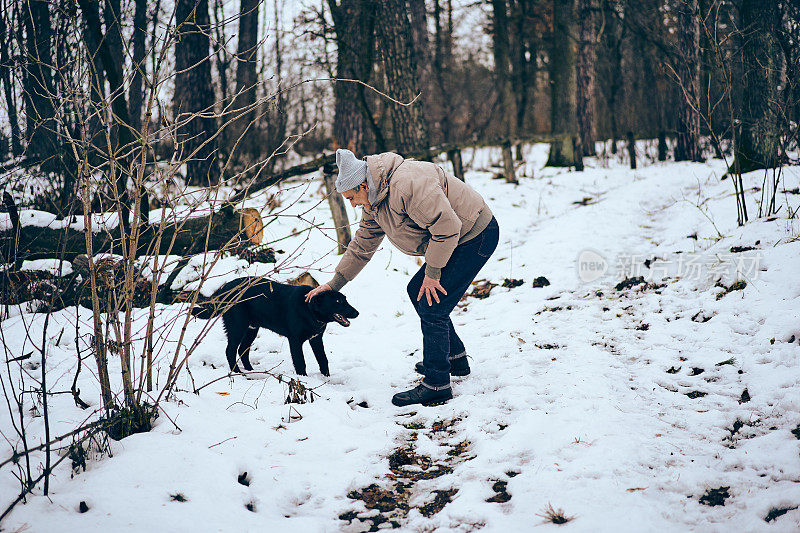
(429, 208)
(362, 247)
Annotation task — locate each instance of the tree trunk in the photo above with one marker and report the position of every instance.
(422, 50)
(400, 65)
(5, 78)
(111, 15)
(632, 149)
(758, 146)
(98, 114)
(509, 170)
(688, 146)
(524, 44)
(338, 210)
(38, 84)
(612, 42)
(136, 92)
(562, 84)
(503, 83)
(442, 62)
(585, 72)
(246, 80)
(458, 166)
(119, 105)
(219, 50)
(577, 152)
(194, 93)
(354, 24)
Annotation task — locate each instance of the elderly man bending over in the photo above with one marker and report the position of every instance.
(424, 211)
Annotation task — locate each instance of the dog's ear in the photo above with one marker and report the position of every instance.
(313, 303)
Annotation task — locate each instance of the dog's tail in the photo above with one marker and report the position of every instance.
(203, 311)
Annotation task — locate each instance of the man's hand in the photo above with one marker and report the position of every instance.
(429, 288)
(313, 292)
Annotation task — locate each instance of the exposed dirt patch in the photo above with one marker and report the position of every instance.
(628, 283)
(640, 284)
(547, 346)
(716, 496)
(696, 394)
(540, 282)
(406, 469)
(442, 498)
(745, 397)
(701, 317)
(553, 309)
(460, 449)
(512, 283)
(586, 200)
(445, 425)
(736, 286)
(775, 512)
(375, 497)
(501, 494)
(482, 290)
(739, 249)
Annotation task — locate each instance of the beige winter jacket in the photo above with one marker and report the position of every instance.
(421, 209)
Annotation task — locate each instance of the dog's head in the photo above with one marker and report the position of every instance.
(332, 306)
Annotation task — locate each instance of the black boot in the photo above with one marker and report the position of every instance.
(424, 395)
(458, 366)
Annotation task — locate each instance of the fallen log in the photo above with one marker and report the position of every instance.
(223, 228)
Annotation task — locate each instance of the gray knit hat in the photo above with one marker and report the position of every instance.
(352, 171)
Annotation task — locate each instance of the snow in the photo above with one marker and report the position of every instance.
(54, 266)
(570, 401)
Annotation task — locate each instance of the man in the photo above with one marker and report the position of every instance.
(423, 211)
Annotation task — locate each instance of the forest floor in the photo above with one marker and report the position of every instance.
(602, 400)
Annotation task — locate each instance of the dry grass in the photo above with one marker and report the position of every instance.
(556, 516)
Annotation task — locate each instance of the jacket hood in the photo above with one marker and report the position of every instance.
(380, 169)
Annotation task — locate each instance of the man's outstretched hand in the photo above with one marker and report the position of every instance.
(313, 292)
(429, 288)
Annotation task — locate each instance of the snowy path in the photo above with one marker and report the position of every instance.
(609, 404)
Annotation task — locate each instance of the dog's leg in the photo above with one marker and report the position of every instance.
(236, 328)
(296, 348)
(230, 353)
(319, 353)
(244, 347)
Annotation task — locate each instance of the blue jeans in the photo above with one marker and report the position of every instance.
(439, 338)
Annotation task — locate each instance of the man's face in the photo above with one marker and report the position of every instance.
(358, 196)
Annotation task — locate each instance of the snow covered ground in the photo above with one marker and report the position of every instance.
(630, 409)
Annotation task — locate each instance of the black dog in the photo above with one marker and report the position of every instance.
(247, 304)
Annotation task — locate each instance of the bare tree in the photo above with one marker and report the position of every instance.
(562, 84)
(585, 71)
(688, 69)
(6, 40)
(136, 92)
(193, 97)
(760, 73)
(502, 69)
(400, 65)
(38, 83)
(246, 78)
(354, 25)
